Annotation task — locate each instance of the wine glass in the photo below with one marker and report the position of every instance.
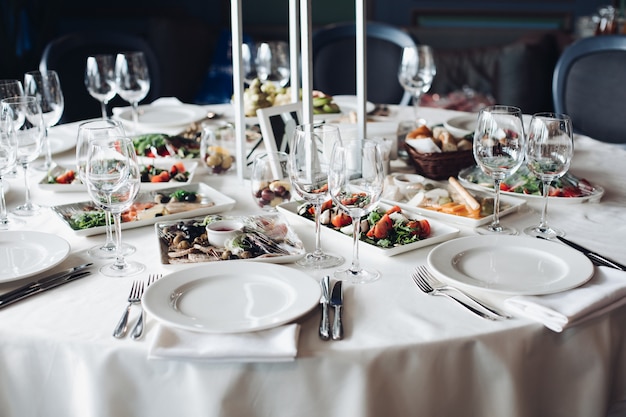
(8, 156)
(549, 150)
(133, 80)
(355, 183)
(87, 131)
(416, 72)
(499, 152)
(269, 180)
(11, 88)
(100, 79)
(248, 58)
(29, 130)
(113, 178)
(272, 62)
(309, 157)
(47, 88)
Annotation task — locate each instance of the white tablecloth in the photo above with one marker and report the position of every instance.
(404, 353)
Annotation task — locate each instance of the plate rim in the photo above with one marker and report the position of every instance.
(161, 288)
(196, 112)
(466, 117)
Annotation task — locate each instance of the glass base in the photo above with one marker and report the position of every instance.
(27, 210)
(130, 268)
(497, 230)
(545, 232)
(360, 276)
(320, 261)
(107, 251)
(44, 166)
(11, 223)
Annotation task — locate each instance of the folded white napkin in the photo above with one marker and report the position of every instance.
(605, 291)
(161, 101)
(279, 344)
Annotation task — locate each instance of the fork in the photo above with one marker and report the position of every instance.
(137, 331)
(435, 283)
(423, 285)
(134, 297)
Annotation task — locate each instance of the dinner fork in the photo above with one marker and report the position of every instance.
(426, 288)
(137, 331)
(134, 297)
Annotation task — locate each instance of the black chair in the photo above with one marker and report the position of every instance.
(334, 61)
(588, 85)
(67, 55)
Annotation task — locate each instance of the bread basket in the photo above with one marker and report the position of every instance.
(440, 165)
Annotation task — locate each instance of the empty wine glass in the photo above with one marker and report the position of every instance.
(355, 183)
(416, 72)
(113, 179)
(499, 152)
(248, 56)
(87, 131)
(8, 155)
(309, 158)
(549, 150)
(100, 79)
(29, 130)
(11, 88)
(133, 80)
(272, 62)
(47, 88)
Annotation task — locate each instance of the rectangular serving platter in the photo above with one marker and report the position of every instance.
(221, 203)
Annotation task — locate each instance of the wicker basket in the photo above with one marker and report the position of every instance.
(440, 165)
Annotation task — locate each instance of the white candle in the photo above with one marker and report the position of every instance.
(361, 70)
(240, 124)
(307, 64)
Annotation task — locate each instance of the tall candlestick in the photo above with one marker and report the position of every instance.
(240, 123)
(361, 70)
(307, 64)
(294, 50)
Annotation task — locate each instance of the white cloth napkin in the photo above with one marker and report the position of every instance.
(604, 292)
(279, 344)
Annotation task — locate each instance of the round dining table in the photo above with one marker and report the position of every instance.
(404, 353)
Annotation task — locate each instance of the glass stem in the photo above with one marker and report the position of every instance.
(417, 98)
(120, 262)
(3, 206)
(318, 223)
(109, 243)
(543, 223)
(495, 225)
(356, 236)
(26, 185)
(48, 163)
(103, 106)
(135, 106)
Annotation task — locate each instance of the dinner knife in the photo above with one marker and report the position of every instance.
(336, 300)
(324, 331)
(597, 258)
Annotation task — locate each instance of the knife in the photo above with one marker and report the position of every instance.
(43, 284)
(336, 300)
(597, 258)
(325, 322)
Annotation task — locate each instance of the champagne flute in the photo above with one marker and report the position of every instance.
(549, 150)
(47, 88)
(133, 80)
(416, 72)
(113, 179)
(499, 152)
(87, 131)
(8, 156)
(29, 130)
(100, 79)
(309, 157)
(11, 88)
(355, 183)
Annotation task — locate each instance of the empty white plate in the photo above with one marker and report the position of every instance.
(25, 253)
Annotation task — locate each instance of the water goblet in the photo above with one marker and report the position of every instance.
(87, 131)
(133, 80)
(499, 151)
(11, 88)
(269, 180)
(8, 156)
(100, 79)
(309, 158)
(549, 150)
(29, 130)
(355, 183)
(47, 88)
(113, 178)
(416, 72)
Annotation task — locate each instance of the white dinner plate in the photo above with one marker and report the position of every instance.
(510, 264)
(349, 103)
(25, 253)
(461, 126)
(163, 115)
(232, 298)
(61, 139)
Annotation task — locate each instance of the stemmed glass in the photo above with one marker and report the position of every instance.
(113, 179)
(416, 72)
(309, 157)
(272, 62)
(29, 130)
(133, 80)
(499, 152)
(47, 88)
(355, 183)
(87, 131)
(549, 150)
(8, 155)
(11, 88)
(100, 79)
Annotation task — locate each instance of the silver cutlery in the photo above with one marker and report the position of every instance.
(593, 256)
(436, 284)
(134, 297)
(137, 331)
(324, 330)
(336, 301)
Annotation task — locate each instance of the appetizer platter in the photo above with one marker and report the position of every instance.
(264, 237)
(85, 219)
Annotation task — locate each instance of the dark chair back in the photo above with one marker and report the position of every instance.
(67, 55)
(334, 61)
(588, 85)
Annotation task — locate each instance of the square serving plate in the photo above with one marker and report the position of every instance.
(207, 194)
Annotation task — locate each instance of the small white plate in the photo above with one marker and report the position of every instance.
(25, 253)
(231, 298)
(461, 126)
(163, 115)
(349, 103)
(510, 264)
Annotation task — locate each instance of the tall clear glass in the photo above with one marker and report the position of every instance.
(272, 62)
(309, 157)
(355, 182)
(133, 80)
(11, 88)
(499, 152)
(416, 72)
(549, 151)
(100, 79)
(8, 156)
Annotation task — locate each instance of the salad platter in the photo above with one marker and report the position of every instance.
(263, 238)
(149, 207)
